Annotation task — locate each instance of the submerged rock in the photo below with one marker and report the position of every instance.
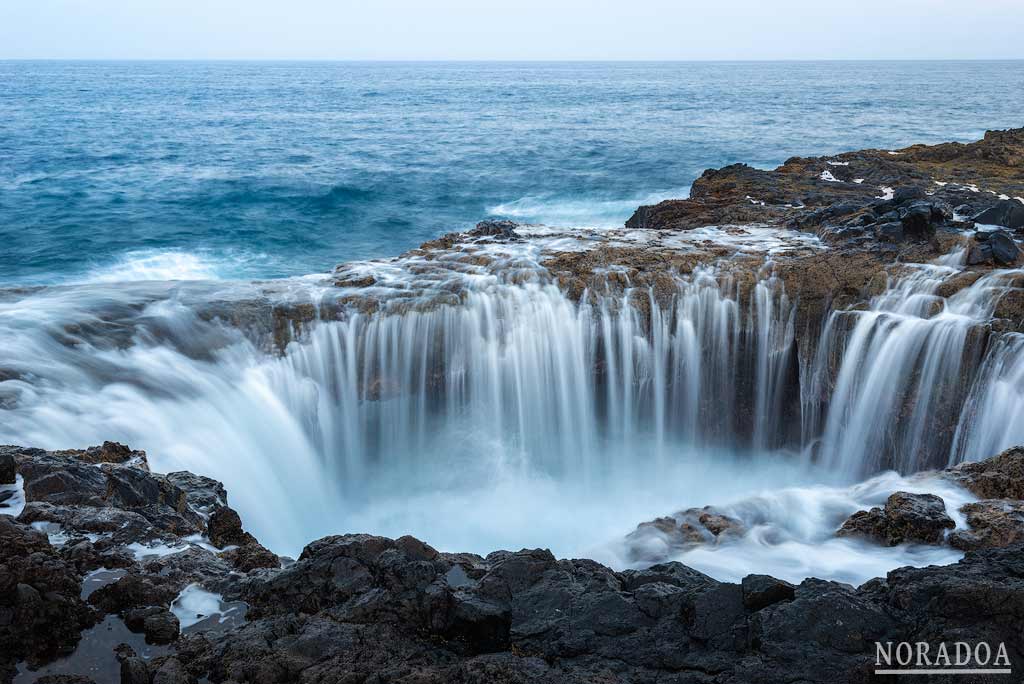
(993, 523)
(999, 477)
(905, 518)
(661, 538)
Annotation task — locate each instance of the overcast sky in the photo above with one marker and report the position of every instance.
(512, 29)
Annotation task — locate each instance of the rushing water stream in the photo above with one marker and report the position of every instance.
(519, 417)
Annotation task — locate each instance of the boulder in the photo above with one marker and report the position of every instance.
(158, 623)
(992, 523)
(999, 477)
(684, 529)
(1005, 213)
(761, 591)
(905, 518)
(8, 466)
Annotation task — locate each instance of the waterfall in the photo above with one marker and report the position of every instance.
(442, 383)
(572, 388)
(897, 375)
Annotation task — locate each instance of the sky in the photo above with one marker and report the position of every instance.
(511, 29)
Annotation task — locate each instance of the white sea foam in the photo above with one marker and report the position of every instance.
(595, 213)
(15, 504)
(791, 534)
(826, 175)
(195, 604)
(163, 265)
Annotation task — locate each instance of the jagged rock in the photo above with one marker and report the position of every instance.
(159, 624)
(8, 466)
(134, 670)
(252, 556)
(905, 518)
(108, 452)
(41, 612)
(999, 477)
(225, 528)
(992, 523)
(203, 494)
(684, 529)
(1005, 213)
(761, 591)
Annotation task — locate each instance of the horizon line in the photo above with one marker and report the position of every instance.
(511, 61)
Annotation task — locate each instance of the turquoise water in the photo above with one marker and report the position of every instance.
(118, 170)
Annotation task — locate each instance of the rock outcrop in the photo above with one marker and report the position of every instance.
(905, 518)
(366, 608)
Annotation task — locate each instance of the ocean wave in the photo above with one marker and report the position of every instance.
(590, 212)
(177, 264)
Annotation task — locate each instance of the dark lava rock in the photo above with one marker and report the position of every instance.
(108, 452)
(8, 466)
(993, 523)
(41, 612)
(681, 530)
(505, 230)
(890, 232)
(993, 247)
(251, 557)
(921, 217)
(159, 624)
(761, 591)
(905, 518)
(203, 494)
(999, 477)
(1006, 213)
(225, 528)
(908, 193)
(65, 679)
(356, 607)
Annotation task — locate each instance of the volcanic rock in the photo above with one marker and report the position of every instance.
(905, 518)
(999, 477)
(993, 523)
(1005, 213)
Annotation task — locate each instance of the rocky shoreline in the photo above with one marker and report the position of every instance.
(103, 563)
(110, 572)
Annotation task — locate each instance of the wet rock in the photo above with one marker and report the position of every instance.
(108, 452)
(761, 591)
(890, 232)
(908, 193)
(1005, 213)
(203, 494)
(251, 557)
(999, 477)
(506, 230)
(905, 518)
(225, 528)
(993, 523)
(41, 612)
(659, 538)
(159, 624)
(65, 679)
(135, 591)
(8, 467)
(134, 670)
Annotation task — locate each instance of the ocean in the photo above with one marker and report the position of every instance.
(115, 171)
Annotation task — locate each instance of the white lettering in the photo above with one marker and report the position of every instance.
(1001, 657)
(977, 653)
(883, 651)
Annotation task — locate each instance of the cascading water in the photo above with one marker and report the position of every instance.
(483, 407)
(900, 372)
